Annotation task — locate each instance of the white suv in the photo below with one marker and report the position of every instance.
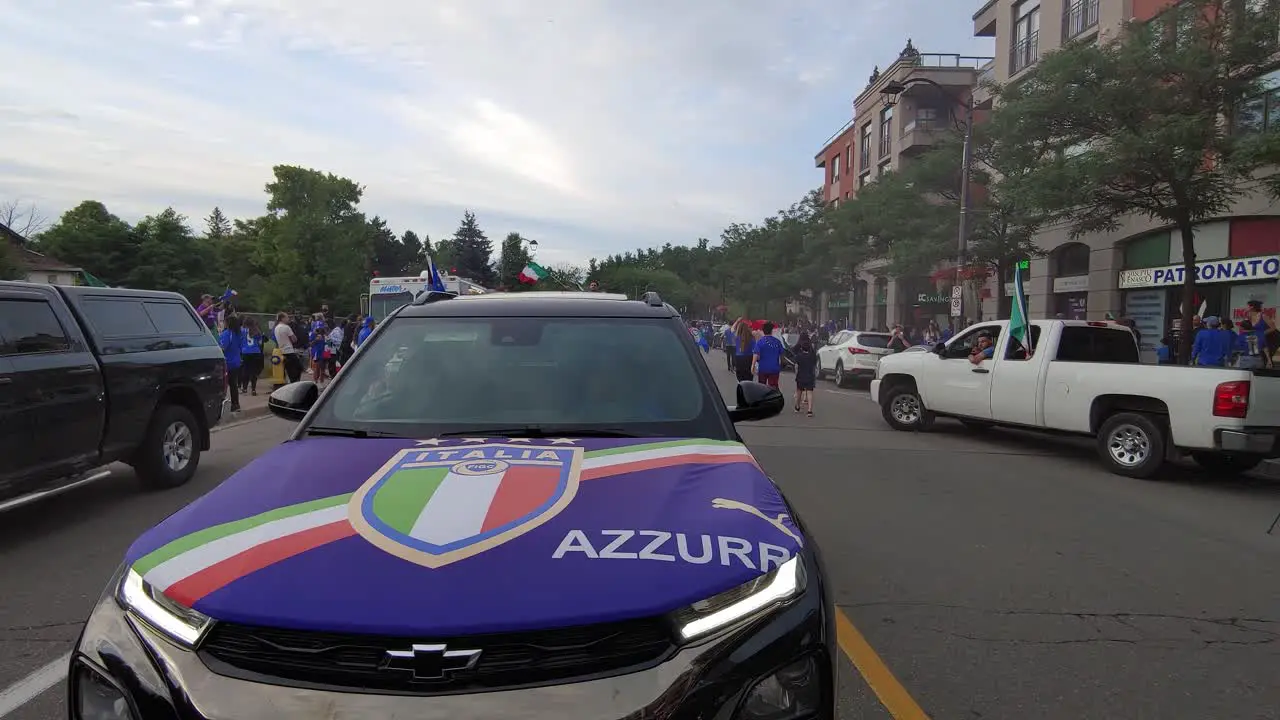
(852, 354)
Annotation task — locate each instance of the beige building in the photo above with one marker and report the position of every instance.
(882, 137)
(1131, 272)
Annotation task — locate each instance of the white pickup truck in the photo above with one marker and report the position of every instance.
(1084, 378)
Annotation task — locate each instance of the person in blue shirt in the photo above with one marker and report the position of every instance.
(252, 360)
(768, 357)
(232, 340)
(365, 330)
(730, 347)
(1213, 345)
(984, 350)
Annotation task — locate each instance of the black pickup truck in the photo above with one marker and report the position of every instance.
(92, 376)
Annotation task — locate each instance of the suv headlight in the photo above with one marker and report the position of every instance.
(181, 624)
(746, 601)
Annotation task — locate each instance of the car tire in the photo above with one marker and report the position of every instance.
(840, 379)
(903, 410)
(818, 372)
(1230, 464)
(170, 452)
(1132, 445)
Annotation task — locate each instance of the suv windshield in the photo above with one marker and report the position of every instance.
(428, 376)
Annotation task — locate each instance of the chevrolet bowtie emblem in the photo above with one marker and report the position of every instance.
(430, 661)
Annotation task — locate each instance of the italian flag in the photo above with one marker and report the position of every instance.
(532, 273)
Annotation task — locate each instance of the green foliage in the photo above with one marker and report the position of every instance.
(9, 268)
(471, 252)
(513, 258)
(1135, 127)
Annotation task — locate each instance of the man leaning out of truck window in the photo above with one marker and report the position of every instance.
(984, 351)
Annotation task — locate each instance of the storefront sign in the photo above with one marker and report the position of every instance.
(1209, 271)
(1079, 283)
(938, 299)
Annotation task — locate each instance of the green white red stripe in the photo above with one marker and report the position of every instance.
(191, 567)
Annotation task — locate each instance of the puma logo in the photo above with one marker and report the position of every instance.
(778, 522)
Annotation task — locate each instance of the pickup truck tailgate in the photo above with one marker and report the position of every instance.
(1264, 399)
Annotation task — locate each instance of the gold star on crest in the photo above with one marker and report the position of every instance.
(519, 440)
(563, 441)
(474, 440)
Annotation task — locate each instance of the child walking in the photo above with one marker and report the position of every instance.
(806, 373)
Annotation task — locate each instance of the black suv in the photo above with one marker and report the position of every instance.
(518, 505)
(92, 376)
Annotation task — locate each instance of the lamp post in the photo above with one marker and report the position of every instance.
(891, 91)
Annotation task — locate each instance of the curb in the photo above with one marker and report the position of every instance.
(246, 416)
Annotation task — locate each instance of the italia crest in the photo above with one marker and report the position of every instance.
(435, 506)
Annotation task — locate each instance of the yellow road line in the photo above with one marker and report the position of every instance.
(892, 694)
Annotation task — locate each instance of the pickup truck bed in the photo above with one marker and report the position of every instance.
(1085, 379)
(92, 376)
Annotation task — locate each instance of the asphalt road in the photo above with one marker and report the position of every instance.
(992, 576)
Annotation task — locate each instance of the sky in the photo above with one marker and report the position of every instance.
(592, 126)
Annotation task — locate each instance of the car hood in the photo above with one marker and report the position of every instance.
(470, 535)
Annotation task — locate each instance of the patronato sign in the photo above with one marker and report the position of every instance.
(1209, 271)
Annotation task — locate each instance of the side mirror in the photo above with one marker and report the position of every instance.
(756, 401)
(292, 401)
(940, 348)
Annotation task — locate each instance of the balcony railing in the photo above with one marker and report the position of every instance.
(1078, 17)
(949, 60)
(1024, 53)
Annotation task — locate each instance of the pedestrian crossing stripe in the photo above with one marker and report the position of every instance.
(193, 566)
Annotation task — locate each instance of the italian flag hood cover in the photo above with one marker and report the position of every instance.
(470, 535)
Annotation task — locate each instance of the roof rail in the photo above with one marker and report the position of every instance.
(431, 296)
(652, 299)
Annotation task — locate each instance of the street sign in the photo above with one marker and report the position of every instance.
(955, 293)
(1024, 264)
(955, 307)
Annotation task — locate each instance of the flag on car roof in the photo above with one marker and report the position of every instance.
(1019, 325)
(434, 283)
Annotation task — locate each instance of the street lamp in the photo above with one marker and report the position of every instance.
(891, 91)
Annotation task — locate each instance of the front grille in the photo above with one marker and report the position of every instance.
(506, 660)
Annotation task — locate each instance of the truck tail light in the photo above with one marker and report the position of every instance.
(858, 351)
(1231, 399)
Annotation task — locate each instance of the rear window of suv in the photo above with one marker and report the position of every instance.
(873, 341)
(427, 375)
(1081, 343)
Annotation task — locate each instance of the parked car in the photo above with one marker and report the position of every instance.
(92, 376)
(445, 543)
(852, 354)
(1085, 378)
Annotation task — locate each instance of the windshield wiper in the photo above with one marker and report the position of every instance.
(537, 431)
(349, 432)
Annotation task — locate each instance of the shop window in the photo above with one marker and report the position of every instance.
(1071, 260)
(1147, 251)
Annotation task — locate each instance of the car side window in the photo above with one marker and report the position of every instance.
(963, 344)
(118, 318)
(29, 327)
(1015, 350)
(172, 318)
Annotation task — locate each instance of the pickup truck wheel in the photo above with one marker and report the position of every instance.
(170, 453)
(1226, 463)
(904, 410)
(1132, 445)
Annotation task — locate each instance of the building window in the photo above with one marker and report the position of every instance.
(886, 122)
(1026, 36)
(1261, 112)
(862, 179)
(848, 158)
(835, 169)
(1078, 17)
(926, 120)
(884, 167)
(52, 279)
(864, 149)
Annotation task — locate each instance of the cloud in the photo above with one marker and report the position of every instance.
(605, 125)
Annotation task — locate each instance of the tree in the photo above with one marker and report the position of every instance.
(90, 237)
(24, 219)
(217, 226)
(1134, 126)
(416, 251)
(390, 258)
(565, 276)
(473, 251)
(169, 257)
(515, 256)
